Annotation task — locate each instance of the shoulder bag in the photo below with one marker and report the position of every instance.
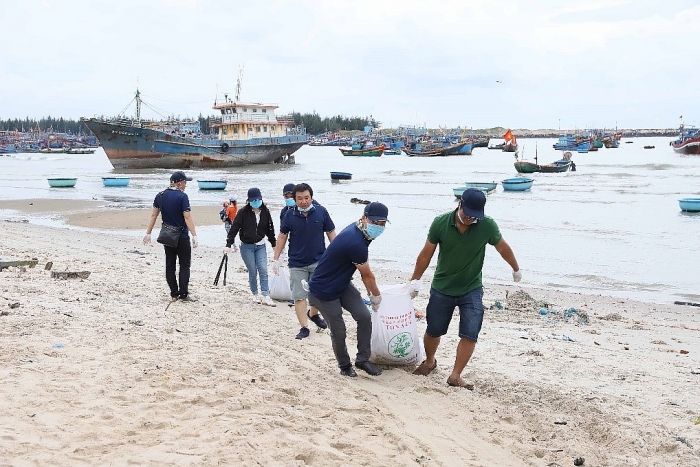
(169, 234)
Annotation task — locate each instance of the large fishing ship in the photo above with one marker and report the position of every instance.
(246, 133)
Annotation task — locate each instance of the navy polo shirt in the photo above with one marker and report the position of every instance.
(337, 266)
(306, 242)
(172, 205)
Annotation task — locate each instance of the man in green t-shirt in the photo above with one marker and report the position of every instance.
(462, 235)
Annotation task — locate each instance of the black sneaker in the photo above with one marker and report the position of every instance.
(317, 319)
(369, 367)
(303, 332)
(348, 372)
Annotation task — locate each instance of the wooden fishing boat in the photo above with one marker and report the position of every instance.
(517, 184)
(525, 167)
(688, 141)
(375, 151)
(212, 184)
(341, 176)
(62, 182)
(556, 166)
(433, 151)
(115, 181)
(689, 204)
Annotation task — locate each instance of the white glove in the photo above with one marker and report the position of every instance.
(147, 239)
(194, 241)
(227, 250)
(415, 285)
(375, 300)
(276, 267)
(517, 275)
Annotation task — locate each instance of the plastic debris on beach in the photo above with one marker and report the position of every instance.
(522, 302)
(497, 305)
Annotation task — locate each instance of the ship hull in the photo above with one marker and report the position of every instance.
(133, 147)
(688, 147)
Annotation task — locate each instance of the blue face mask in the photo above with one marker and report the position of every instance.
(289, 202)
(310, 207)
(374, 230)
(256, 204)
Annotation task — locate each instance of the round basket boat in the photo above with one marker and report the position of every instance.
(62, 182)
(689, 204)
(115, 181)
(517, 184)
(212, 184)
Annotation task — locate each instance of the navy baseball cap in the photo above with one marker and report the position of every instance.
(473, 201)
(253, 194)
(376, 212)
(179, 176)
(288, 188)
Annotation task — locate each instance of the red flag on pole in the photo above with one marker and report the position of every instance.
(508, 137)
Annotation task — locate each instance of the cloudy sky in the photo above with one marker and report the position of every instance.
(470, 63)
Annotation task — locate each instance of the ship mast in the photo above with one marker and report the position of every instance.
(138, 106)
(238, 85)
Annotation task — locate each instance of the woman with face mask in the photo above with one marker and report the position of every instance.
(252, 224)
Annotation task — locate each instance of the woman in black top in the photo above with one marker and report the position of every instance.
(252, 224)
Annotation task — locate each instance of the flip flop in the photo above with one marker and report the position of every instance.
(423, 369)
(460, 384)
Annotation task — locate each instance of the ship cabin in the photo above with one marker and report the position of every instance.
(240, 121)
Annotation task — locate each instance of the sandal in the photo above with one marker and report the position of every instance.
(423, 369)
(460, 383)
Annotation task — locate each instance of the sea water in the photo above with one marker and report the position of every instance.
(612, 227)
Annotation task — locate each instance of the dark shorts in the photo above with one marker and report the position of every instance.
(441, 307)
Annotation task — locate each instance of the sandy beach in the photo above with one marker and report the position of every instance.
(95, 371)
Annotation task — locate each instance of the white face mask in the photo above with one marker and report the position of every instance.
(464, 220)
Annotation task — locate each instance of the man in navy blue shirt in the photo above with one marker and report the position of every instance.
(331, 289)
(174, 207)
(304, 225)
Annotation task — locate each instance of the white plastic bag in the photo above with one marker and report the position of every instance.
(279, 285)
(395, 339)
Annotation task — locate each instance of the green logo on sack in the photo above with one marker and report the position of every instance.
(400, 345)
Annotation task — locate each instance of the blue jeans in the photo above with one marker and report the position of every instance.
(439, 311)
(255, 259)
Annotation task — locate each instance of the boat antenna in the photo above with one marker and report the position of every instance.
(535, 152)
(239, 83)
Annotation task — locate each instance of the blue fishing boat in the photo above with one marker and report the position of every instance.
(572, 143)
(517, 184)
(212, 184)
(689, 204)
(62, 182)
(341, 176)
(115, 181)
